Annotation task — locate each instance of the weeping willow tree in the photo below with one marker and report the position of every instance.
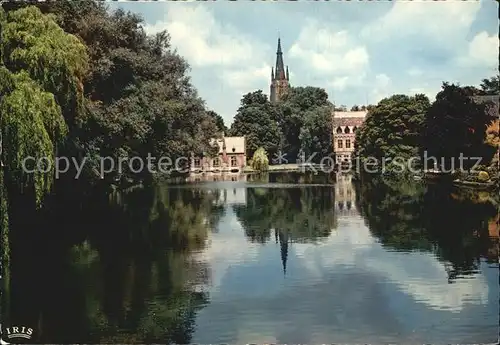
(41, 71)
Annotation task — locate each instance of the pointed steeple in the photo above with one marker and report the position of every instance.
(280, 66)
(279, 77)
(283, 238)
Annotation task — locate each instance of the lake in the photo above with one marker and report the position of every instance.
(279, 258)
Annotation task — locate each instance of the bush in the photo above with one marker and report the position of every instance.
(260, 162)
(483, 176)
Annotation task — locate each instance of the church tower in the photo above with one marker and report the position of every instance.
(280, 79)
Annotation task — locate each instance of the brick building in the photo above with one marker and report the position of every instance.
(345, 125)
(230, 158)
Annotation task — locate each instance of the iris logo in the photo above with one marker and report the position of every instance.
(15, 332)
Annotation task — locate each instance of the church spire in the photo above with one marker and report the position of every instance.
(279, 76)
(280, 66)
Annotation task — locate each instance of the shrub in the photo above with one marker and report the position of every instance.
(483, 176)
(260, 162)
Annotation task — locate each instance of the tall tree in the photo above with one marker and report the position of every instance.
(219, 122)
(455, 124)
(316, 134)
(392, 128)
(41, 68)
(491, 86)
(256, 119)
(305, 110)
(138, 97)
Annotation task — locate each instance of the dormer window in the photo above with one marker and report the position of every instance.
(234, 149)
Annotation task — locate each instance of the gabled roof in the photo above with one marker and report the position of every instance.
(236, 143)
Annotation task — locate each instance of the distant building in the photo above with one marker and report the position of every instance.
(280, 79)
(230, 158)
(345, 125)
(491, 102)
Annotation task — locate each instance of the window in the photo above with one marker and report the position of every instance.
(339, 130)
(197, 162)
(347, 144)
(354, 129)
(347, 130)
(216, 162)
(233, 161)
(339, 144)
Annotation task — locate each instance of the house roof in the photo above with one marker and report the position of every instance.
(350, 114)
(349, 118)
(236, 143)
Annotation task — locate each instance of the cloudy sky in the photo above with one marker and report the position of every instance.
(359, 52)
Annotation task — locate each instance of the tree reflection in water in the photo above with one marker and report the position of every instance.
(131, 279)
(408, 215)
(304, 214)
(122, 270)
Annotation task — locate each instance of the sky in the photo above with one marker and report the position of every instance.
(359, 52)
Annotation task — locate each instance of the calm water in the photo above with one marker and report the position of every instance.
(261, 261)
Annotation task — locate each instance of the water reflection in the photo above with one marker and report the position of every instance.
(247, 261)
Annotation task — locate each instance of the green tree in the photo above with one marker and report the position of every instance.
(491, 86)
(455, 125)
(41, 71)
(138, 96)
(256, 119)
(316, 134)
(219, 122)
(392, 128)
(305, 121)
